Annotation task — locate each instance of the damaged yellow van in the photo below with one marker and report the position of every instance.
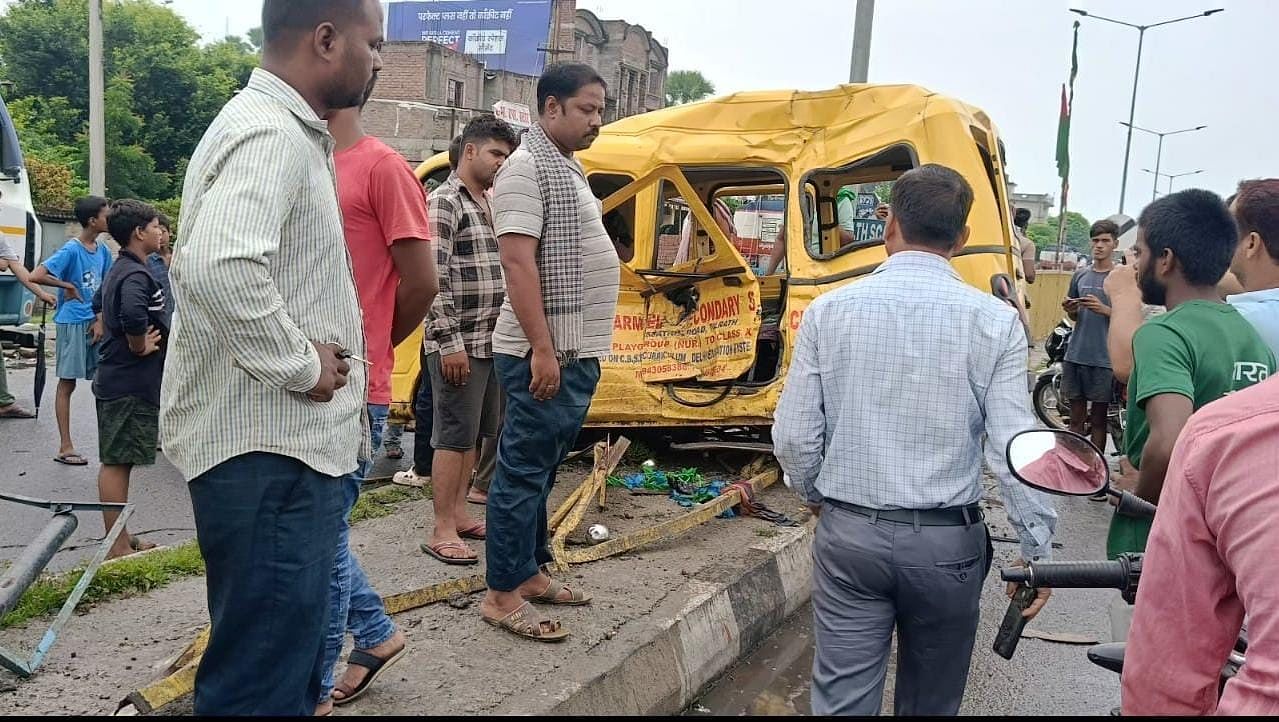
(740, 211)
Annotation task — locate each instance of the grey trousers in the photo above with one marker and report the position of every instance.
(486, 465)
(871, 577)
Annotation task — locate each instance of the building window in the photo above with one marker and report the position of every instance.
(654, 80)
(456, 96)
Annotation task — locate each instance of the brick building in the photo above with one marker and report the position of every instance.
(426, 92)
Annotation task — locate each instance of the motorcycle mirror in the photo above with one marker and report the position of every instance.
(1058, 462)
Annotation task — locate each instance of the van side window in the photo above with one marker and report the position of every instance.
(845, 208)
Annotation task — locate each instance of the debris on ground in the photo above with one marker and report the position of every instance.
(687, 487)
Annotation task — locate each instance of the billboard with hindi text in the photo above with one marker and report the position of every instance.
(504, 34)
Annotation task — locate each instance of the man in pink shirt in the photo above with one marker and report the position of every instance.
(1210, 561)
(387, 235)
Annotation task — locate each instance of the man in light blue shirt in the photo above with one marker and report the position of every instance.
(1256, 263)
(882, 428)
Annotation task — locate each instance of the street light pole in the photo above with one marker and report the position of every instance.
(1154, 193)
(97, 110)
(859, 69)
(1132, 113)
(1169, 176)
(1132, 108)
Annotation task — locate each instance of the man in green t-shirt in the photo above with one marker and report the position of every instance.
(1196, 353)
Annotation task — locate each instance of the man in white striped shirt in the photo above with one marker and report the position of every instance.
(259, 409)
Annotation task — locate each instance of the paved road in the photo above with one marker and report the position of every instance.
(163, 508)
(1042, 679)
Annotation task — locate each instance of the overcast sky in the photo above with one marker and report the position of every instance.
(1009, 57)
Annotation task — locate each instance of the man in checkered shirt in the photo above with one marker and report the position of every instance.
(459, 334)
(896, 383)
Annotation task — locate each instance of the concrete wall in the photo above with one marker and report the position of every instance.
(1046, 295)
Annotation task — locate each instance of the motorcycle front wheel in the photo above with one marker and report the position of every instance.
(1049, 406)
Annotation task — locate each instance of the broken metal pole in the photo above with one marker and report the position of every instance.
(34, 558)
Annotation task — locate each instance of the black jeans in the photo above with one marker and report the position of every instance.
(424, 420)
(268, 529)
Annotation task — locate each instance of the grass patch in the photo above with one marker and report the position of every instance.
(767, 533)
(137, 575)
(382, 502)
(125, 577)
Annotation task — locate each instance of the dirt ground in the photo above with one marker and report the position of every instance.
(456, 663)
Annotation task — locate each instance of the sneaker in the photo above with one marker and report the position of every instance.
(409, 478)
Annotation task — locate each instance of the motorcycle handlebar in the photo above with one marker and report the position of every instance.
(1082, 575)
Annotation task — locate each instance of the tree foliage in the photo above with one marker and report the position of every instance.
(162, 88)
(687, 86)
(1045, 234)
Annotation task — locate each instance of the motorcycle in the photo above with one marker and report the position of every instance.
(1033, 458)
(1052, 407)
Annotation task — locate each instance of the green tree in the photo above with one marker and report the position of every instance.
(1045, 234)
(255, 39)
(687, 86)
(163, 89)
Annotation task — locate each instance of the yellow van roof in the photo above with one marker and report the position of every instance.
(780, 127)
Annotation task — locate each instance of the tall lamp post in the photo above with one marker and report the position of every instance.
(1159, 155)
(1132, 110)
(1171, 176)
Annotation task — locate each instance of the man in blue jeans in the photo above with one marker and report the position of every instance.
(260, 409)
(553, 328)
(387, 233)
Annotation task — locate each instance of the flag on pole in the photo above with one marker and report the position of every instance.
(1063, 122)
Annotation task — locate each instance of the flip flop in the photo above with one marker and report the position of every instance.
(375, 665)
(527, 622)
(71, 460)
(477, 502)
(437, 550)
(16, 412)
(477, 531)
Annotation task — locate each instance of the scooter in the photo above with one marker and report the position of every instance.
(1035, 458)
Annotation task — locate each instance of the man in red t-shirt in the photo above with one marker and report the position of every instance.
(387, 234)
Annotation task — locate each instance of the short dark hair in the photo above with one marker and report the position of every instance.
(281, 17)
(127, 216)
(1105, 225)
(455, 152)
(931, 205)
(164, 222)
(1196, 225)
(486, 127)
(563, 80)
(88, 208)
(1257, 211)
(1021, 218)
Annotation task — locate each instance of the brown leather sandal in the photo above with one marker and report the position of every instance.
(551, 595)
(527, 622)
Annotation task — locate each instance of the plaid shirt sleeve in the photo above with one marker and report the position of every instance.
(444, 322)
(1007, 411)
(799, 424)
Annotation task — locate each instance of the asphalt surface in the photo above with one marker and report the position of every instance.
(1043, 678)
(162, 511)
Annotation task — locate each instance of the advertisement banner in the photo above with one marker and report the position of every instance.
(505, 34)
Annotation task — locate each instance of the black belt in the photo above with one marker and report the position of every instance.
(948, 516)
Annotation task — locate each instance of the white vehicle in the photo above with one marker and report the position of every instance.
(19, 228)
